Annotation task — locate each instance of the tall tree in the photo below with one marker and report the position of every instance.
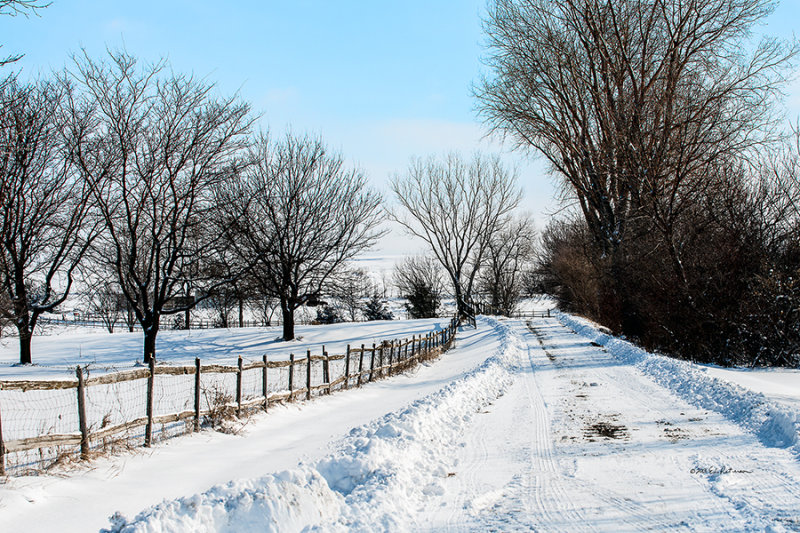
(456, 206)
(152, 145)
(640, 106)
(305, 215)
(44, 207)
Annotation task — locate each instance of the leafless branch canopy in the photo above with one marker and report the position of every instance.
(19, 7)
(509, 254)
(633, 102)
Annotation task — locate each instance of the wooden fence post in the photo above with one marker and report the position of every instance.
(360, 365)
(308, 374)
(197, 394)
(347, 368)
(391, 356)
(381, 359)
(413, 343)
(239, 387)
(264, 389)
(291, 375)
(148, 429)
(82, 414)
(372, 364)
(2, 450)
(326, 375)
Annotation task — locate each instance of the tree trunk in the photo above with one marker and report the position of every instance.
(24, 345)
(150, 333)
(460, 302)
(288, 322)
(241, 313)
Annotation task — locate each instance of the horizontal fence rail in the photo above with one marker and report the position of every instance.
(46, 422)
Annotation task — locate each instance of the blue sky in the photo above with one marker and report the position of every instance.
(382, 81)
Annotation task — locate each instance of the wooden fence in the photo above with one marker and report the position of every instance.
(267, 382)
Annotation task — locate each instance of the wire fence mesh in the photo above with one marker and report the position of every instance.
(44, 423)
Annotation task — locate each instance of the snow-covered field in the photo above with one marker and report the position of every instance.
(56, 354)
(517, 428)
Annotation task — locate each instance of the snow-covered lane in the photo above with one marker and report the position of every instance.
(581, 441)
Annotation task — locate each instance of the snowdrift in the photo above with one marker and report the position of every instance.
(376, 479)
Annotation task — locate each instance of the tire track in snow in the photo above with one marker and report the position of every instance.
(627, 513)
(554, 508)
(508, 478)
(763, 495)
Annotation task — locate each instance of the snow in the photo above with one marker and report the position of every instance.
(552, 427)
(268, 443)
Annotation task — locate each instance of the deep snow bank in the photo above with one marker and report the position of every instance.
(774, 425)
(375, 480)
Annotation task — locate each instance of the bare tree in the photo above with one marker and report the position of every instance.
(456, 206)
(419, 280)
(264, 308)
(627, 99)
(107, 303)
(509, 254)
(152, 146)
(305, 215)
(44, 207)
(641, 106)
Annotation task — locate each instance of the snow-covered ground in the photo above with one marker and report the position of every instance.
(56, 354)
(552, 427)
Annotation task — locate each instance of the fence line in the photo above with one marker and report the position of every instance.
(98, 412)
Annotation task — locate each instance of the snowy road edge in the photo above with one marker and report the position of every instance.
(380, 474)
(774, 425)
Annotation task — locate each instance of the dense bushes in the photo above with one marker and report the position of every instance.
(735, 299)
